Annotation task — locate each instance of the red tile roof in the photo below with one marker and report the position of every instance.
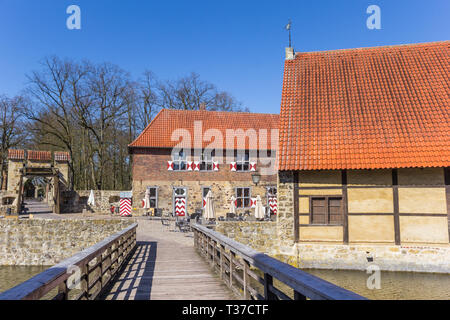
(35, 155)
(368, 108)
(62, 156)
(158, 133)
(16, 154)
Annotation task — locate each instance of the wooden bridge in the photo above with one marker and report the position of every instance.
(150, 261)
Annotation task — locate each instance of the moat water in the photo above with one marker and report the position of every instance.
(11, 276)
(394, 285)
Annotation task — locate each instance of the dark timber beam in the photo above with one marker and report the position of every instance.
(345, 205)
(447, 194)
(396, 206)
(296, 208)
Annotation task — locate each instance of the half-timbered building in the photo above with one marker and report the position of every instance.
(365, 145)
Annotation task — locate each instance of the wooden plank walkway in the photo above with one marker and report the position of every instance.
(166, 266)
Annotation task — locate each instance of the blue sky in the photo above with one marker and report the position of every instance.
(237, 45)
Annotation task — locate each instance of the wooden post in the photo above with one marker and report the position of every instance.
(84, 283)
(245, 276)
(231, 268)
(213, 247)
(298, 296)
(62, 291)
(221, 261)
(268, 281)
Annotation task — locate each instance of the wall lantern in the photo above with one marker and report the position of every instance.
(256, 178)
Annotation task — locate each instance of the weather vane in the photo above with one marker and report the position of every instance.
(288, 28)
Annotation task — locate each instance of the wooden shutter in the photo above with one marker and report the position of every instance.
(319, 211)
(335, 211)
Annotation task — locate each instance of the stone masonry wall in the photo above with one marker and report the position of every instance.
(285, 217)
(261, 236)
(47, 242)
(434, 259)
(76, 201)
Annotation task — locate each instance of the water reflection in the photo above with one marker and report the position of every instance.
(11, 276)
(394, 285)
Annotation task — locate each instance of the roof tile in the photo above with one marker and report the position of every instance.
(158, 133)
(367, 108)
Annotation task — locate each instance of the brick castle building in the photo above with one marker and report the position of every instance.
(181, 155)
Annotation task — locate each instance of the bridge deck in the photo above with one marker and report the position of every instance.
(166, 266)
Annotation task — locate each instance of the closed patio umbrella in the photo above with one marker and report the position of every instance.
(259, 209)
(147, 199)
(232, 205)
(209, 207)
(91, 199)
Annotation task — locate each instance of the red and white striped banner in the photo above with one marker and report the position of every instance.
(180, 206)
(273, 204)
(125, 207)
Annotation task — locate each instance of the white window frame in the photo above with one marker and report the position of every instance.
(243, 197)
(178, 160)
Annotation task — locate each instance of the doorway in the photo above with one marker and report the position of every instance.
(179, 201)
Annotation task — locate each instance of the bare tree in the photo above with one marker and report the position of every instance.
(188, 93)
(12, 134)
(95, 110)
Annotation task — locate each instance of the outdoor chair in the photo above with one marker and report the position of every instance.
(183, 225)
(165, 222)
(230, 216)
(158, 212)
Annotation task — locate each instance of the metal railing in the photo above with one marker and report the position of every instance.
(251, 274)
(83, 275)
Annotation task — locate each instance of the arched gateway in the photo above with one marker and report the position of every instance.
(50, 168)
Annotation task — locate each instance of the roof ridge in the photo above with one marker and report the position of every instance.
(220, 111)
(433, 43)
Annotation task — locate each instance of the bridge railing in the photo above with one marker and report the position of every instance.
(257, 276)
(82, 276)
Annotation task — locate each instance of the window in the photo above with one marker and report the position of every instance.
(206, 160)
(271, 191)
(243, 197)
(243, 161)
(205, 191)
(326, 210)
(153, 197)
(179, 161)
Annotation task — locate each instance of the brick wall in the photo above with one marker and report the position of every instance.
(150, 169)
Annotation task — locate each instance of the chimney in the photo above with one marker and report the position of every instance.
(202, 106)
(290, 55)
